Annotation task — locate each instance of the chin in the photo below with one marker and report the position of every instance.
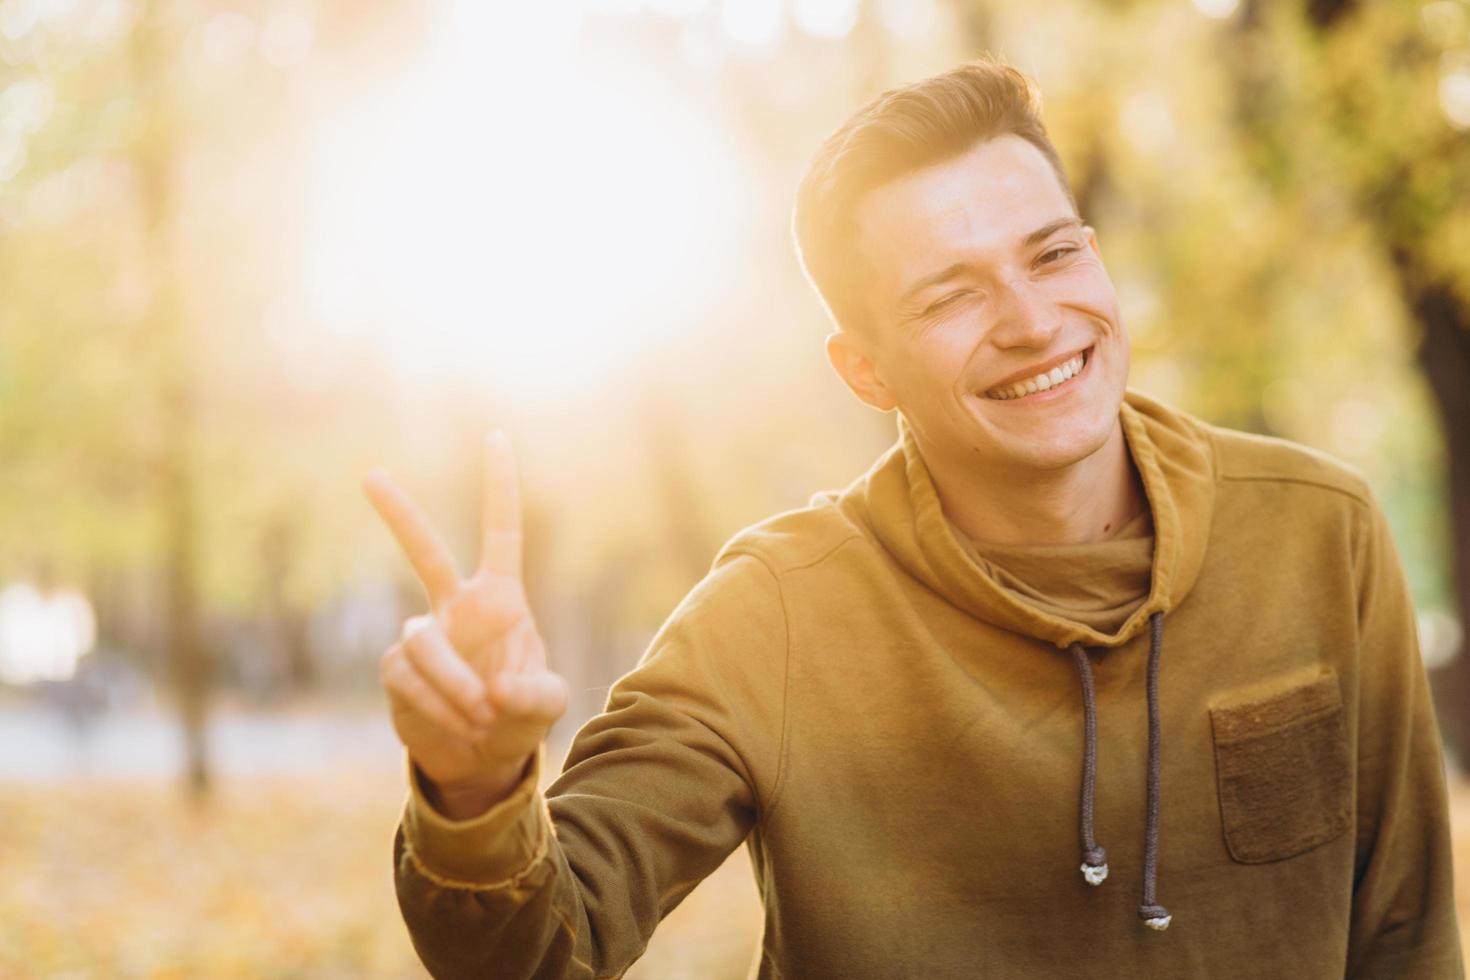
(1072, 442)
(1060, 456)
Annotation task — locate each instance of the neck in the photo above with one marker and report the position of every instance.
(1084, 502)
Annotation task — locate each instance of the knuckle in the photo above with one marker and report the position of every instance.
(392, 668)
(413, 649)
(415, 625)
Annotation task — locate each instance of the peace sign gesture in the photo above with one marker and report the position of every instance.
(467, 683)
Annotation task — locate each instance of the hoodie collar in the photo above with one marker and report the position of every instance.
(1172, 454)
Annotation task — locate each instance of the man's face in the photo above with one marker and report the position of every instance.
(980, 277)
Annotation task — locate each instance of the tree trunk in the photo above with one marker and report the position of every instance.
(188, 664)
(1444, 355)
(153, 155)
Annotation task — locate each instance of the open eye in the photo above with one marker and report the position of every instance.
(1060, 252)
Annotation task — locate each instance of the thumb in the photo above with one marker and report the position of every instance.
(539, 696)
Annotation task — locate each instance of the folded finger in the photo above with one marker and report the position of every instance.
(414, 692)
(441, 665)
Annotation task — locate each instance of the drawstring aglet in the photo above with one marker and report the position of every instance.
(1095, 866)
(1155, 916)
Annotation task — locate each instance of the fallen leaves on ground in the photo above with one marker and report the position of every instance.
(291, 878)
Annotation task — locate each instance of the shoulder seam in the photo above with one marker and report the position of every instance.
(759, 554)
(1344, 487)
(1304, 481)
(1213, 439)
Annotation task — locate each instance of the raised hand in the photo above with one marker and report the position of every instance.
(467, 683)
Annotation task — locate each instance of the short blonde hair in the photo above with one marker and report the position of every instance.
(902, 130)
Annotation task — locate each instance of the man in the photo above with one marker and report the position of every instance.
(1055, 615)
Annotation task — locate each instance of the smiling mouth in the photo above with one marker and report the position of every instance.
(1057, 377)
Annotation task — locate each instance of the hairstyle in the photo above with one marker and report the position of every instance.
(902, 130)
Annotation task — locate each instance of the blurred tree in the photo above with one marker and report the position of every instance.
(1312, 117)
(152, 427)
(155, 153)
(178, 423)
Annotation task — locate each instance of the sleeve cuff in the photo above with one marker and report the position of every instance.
(492, 850)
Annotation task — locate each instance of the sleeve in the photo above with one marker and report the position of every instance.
(655, 793)
(1403, 919)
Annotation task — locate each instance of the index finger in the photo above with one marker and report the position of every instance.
(426, 551)
(500, 550)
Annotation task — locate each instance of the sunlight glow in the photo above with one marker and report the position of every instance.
(1218, 9)
(825, 18)
(908, 18)
(43, 636)
(677, 8)
(1148, 121)
(758, 23)
(518, 207)
(1454, 91)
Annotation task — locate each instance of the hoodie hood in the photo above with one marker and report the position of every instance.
(1173, 459)
(1172, 454)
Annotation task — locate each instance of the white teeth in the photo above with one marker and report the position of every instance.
(1042, 382)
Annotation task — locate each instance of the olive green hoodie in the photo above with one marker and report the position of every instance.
(931, 767)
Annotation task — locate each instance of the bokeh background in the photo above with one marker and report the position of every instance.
(251, 248)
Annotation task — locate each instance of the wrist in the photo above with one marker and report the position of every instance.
(465, 800)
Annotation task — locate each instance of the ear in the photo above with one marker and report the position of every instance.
(852, 359)
(1091, 235)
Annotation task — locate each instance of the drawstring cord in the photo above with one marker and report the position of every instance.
(1094, 858)
(1151, 912)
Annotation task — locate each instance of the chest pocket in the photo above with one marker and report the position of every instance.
(1283, 768)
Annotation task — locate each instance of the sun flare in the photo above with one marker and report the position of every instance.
(515, 208)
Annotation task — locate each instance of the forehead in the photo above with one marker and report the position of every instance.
(973, 207)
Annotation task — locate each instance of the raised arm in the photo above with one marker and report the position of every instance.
(656, 792)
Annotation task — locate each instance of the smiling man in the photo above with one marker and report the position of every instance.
(1055, 613)
(989, 321)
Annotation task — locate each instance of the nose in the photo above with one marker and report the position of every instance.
(1023, 315)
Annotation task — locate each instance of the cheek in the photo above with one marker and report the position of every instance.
(945, 363)
(939, 351)
(1086, 283)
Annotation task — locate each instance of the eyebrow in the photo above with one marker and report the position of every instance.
(1046, 231)
(1032, 238)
